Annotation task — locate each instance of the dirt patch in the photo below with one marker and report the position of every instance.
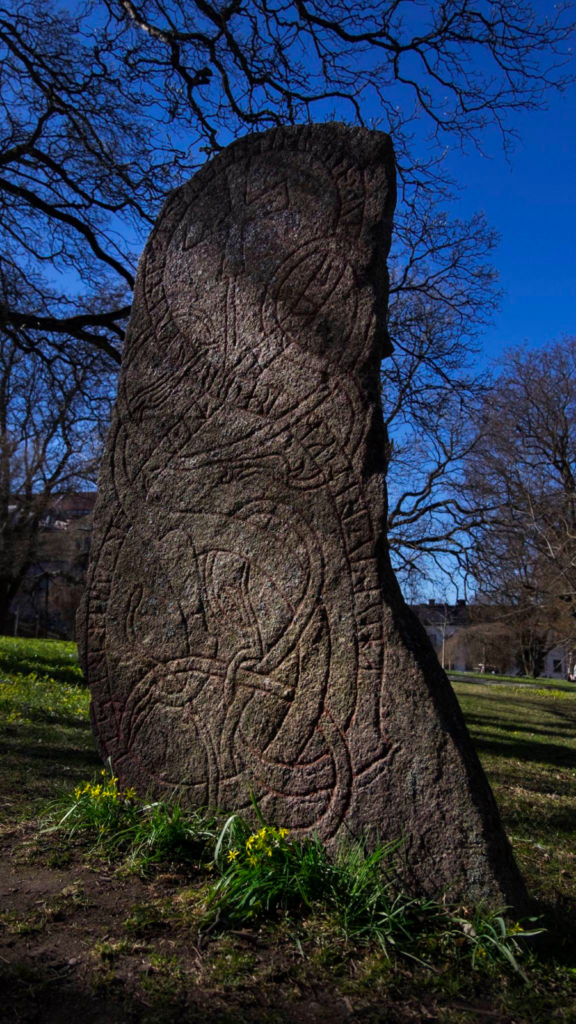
(83, 942)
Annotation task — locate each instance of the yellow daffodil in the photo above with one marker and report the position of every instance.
(515, 928)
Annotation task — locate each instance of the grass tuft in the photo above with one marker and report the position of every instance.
(144, 833)
(263, 875)
(526, 737)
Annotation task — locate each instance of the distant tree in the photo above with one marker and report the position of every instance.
(106, 105)
(522, 469)
(48, 443)
(502, 638)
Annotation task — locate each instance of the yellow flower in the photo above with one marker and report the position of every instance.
(232, 854)
(515, 929)
(130, 794)
(283, 832)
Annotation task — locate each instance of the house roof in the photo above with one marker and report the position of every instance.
(69, 502)
(441, 613)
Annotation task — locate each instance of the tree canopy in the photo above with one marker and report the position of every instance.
(106, 105)
(522, 471)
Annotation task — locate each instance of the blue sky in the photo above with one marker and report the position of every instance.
(531, 201)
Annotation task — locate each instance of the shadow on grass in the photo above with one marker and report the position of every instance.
(538, 753)
(526, 683)
(557, 823)
(528, 705)
(558, 941)
(52, 994)
(49, 720)
(38, 760)
(44, 658)
(500, 726)
(548, 786)
(62, 755)
(61, 672)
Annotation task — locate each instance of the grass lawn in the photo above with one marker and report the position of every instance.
(45, 736)
(84, 938)
(541, 683)
(527, 742)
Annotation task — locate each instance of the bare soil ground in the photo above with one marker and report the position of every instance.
(84, 943)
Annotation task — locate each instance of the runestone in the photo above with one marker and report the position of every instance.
(242, 630)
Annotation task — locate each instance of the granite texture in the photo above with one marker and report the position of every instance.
(242, 629)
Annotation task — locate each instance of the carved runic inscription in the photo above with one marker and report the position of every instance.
(242, 630)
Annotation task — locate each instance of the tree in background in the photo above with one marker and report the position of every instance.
(441, 299)
(49, 443)
(108, 104)
(522, 469)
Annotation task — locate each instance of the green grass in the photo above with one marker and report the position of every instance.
(527, 743)
(45, 736)
(143, 833)
(265, 876)
(545, 682)
(41, 681)
(56, 659)
(526, 739)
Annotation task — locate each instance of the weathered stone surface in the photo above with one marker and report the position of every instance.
(242, 629)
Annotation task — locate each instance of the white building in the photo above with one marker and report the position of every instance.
(455, 639)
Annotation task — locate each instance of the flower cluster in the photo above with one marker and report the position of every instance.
(260, 846)
(100, 805)
(106, 791)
